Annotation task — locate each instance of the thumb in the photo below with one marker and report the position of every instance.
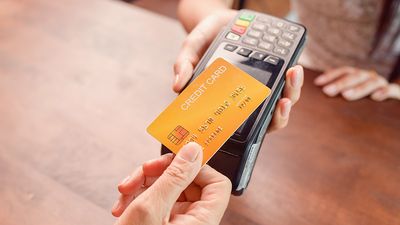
(196, 44)
(192, 50)
(179, 174)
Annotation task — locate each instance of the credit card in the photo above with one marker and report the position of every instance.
(210, 109)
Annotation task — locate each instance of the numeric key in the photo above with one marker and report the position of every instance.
(250, 41)
(244, 52)
(288, 36)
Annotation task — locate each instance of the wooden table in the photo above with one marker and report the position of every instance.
(80, 81)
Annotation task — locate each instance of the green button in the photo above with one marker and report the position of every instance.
(248, 17)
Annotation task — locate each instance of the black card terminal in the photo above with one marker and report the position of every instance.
(264, 47)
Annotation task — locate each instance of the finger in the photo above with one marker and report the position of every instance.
(281, 115)
(364, 89)
(185, 71)
(124, 201)
(294, 82)
(175, 179)
(132, 183)
(121, 204)
(194, 47)
(394, 91)
(180, 208)
(197, 218)
(389, 91)
(151, 171)
(192, 50)
(215, 193)
(142, 176)
(135, 184)
(331, 75)
(155, 167)
(347, 81)
(192, 193)
(211, 179)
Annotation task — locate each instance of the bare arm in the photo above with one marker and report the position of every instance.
(191, 12)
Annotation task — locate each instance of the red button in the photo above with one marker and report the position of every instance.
(238, 29)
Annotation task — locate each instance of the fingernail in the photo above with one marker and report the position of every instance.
(190, 152)
(329, 90)
(286, 109)
(296, 79)
(125, 180)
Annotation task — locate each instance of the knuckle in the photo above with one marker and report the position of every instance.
(227, 183)
(222, 179)
(378, 80)
(177, 174)
(382, 81)
(295, 98)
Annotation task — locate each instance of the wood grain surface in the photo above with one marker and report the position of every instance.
(81, 80)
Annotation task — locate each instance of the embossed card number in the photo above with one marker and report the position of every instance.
(210, 109)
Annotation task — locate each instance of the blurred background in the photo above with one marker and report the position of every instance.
(168, 8)
(81, 80)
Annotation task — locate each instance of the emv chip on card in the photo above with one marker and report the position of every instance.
(210, 109)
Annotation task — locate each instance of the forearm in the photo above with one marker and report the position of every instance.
(191, 12)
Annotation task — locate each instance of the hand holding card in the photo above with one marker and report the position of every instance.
(210, 109)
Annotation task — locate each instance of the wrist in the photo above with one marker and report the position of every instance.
(225, 15)
(221, 17)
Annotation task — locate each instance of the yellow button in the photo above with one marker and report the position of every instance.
(242, 23)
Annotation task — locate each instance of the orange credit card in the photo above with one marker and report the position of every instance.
(210, 109)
